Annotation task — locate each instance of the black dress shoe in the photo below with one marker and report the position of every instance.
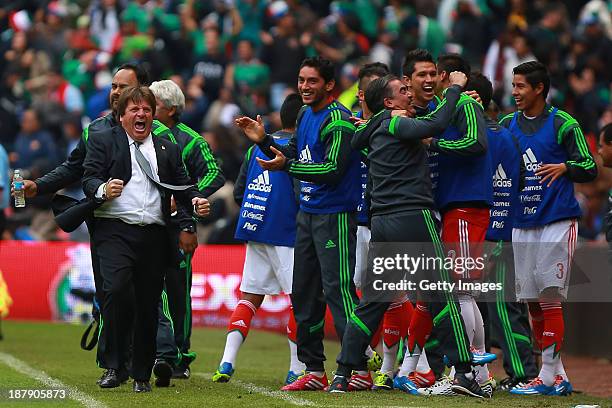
(142, 386)
(122, 375)
(163, 373)
(110, 379)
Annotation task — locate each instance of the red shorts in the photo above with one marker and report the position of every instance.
(463, 234)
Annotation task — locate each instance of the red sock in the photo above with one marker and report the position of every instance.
(241, 318)
(406, 318)
(537, 322)
(392, 324)
(420, 327)
(376, 336)
(292, 327)
(554, 328)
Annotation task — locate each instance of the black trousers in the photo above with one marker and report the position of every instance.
(509, 321)
(174, 331)
(133, 261)
(324, 266)
(416, 226)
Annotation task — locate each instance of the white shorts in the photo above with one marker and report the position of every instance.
(361, 254)
(546, 265)
(268, 269)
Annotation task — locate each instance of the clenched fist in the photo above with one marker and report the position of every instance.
(201, 206)
(113, 189)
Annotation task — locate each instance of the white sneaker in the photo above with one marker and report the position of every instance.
(441, 387)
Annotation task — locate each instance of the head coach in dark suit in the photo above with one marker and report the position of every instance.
(133, 176)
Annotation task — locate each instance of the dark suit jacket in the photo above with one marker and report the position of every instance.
(108, 156)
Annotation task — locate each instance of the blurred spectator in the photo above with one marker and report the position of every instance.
(35, 151)
(64, 93)
(282, 44)
(222, 112)
(249, 78)
(519, 52)
(104, 25)
(548, 34)
(470, 32)
(344, 42)
(210, 67)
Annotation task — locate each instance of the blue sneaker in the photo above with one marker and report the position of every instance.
(291, 377)
(477, 358)
(562, 387)
(223, 373)
(482, 358)
(535, 387)
(404, 384)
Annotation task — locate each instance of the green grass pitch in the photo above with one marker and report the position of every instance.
(261, 369)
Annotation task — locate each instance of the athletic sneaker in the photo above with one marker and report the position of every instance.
(307, 382)
(441, 387)
(465, 386)
(383, 381)
(339, 384)
(224, 373)
(360, 382)
(423, 380)
(534, 387)
(477, 359)
(291, 377)
(403, 383)
(509, 383)
(482, 358)
(374, 362)
(488, 386)
(562, 386)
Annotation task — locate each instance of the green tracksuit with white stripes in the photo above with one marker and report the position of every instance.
(320, 156)
(174, 331)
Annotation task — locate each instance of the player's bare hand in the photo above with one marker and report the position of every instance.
(29, 187)
(201, 206)
(277, 163)
(188, 242)
(399, 112)
(253, 129)
(357, 121)
(457, 78)
(474, 95)
(114, 188)
(551, 172)
(427, 141)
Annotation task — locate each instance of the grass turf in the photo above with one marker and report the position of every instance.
(261, 369)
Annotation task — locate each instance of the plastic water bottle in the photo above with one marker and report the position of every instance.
(18, 188)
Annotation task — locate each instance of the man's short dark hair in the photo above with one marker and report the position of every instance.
(324, 67)
(377, 69)
(142, 76)
(377, 91)
(136, 94)
(606, 131)
(481, 84)
(453, 62)
(289, 110)
(414, 56)
(535, 72)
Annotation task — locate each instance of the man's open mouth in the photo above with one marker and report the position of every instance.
(140, 125)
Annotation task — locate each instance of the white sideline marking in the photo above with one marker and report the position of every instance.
(285, 396)
(42, 377)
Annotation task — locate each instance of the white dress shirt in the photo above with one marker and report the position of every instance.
(140, 201)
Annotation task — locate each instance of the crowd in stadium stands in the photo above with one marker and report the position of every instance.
(240, 57)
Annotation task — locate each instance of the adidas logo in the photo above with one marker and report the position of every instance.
(500, 179)
(239, 323)
(330, 244)
(531, 162)
(305, 156)
(261, 183)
